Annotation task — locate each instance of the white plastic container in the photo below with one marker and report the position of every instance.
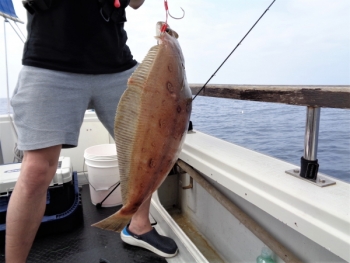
(103, 174)
(9, 174)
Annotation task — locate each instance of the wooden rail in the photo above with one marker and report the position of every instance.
(315, 96)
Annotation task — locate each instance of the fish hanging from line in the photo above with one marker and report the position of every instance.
(150, 125)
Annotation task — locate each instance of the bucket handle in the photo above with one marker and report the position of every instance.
(97, 189)
(99, 205)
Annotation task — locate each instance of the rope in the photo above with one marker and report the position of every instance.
(20, 31)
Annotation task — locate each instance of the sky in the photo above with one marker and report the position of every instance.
(297, 42)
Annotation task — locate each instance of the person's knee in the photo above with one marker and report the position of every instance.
(36, 176)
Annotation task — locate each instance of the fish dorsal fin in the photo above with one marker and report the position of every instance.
(127, 117)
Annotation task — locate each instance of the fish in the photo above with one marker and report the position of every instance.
(151, 123)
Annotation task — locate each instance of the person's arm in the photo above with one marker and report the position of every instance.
(136, 3)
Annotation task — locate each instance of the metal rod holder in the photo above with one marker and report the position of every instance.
(311, 133)
(309, 163)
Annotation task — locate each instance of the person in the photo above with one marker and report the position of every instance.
(75, 55)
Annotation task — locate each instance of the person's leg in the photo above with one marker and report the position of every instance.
(28, 200)
(140, 233)
(48, 108)
(140, 223)
(108, 89)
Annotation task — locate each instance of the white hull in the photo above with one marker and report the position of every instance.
(312, 222)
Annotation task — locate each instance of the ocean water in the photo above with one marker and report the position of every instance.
(273, 129)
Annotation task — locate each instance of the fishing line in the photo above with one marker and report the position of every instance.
(233, 50)
(165, 25)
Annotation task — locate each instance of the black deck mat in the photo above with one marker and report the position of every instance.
(87, 244)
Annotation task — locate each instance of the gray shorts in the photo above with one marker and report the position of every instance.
(49, 106)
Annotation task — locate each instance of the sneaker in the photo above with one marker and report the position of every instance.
(160, 245)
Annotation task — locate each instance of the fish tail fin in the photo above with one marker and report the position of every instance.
(114, 223)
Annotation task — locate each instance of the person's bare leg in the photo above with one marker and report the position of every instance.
(28, 200)
(140, 222)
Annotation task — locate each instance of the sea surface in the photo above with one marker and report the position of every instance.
(273, 129)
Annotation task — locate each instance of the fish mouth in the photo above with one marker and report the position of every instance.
(168, 30)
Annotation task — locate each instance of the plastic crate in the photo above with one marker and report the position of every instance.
(54, 222)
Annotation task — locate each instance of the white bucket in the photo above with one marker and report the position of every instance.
(103, 174)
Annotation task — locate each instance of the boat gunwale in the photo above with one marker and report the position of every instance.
(326, 96)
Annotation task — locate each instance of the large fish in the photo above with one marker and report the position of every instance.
(150, 125)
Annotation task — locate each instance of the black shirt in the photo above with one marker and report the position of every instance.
(73, 36)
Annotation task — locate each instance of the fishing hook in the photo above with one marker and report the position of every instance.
(183, 14)
(168, 13)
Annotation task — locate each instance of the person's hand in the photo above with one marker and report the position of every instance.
(135, 3)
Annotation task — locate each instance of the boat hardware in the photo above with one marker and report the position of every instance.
(190, 185)
(320, 181)
(245, 219)
(311, 133)
(309, 163)
(190, 128)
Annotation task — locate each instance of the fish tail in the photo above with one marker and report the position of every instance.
(114, 222)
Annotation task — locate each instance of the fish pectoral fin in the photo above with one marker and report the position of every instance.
(114, 223)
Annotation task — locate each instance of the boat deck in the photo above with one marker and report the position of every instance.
(87, 244)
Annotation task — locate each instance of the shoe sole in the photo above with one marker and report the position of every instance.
(139, 243)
